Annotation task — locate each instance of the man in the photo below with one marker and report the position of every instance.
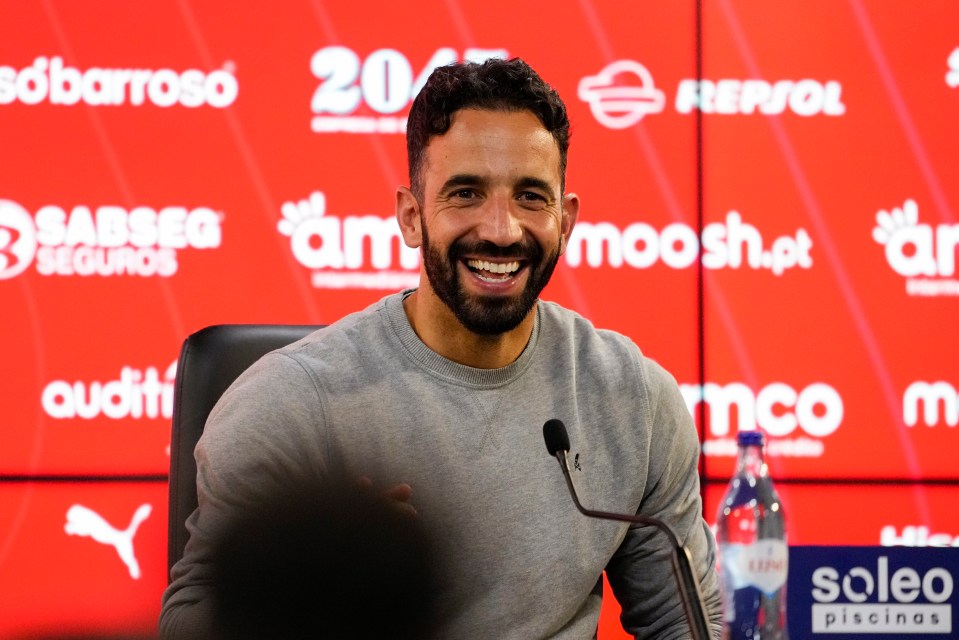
(438, 395)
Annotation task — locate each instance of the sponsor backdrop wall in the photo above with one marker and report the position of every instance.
(769, 209)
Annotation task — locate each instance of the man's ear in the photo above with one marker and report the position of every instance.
(408, 217)
(570, 212)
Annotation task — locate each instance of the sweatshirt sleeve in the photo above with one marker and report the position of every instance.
(252, 445)
(640, 571)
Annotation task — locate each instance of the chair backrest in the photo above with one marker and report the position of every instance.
(210, 360)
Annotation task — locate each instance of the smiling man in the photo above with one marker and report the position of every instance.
(437, 396)
(487, 208)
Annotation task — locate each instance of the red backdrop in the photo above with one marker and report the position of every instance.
(769, 209)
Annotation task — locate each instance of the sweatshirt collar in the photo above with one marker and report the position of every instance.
(446, 369)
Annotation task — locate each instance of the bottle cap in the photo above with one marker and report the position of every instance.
(752, 438)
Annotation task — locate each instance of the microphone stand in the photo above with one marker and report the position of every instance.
(688, 585)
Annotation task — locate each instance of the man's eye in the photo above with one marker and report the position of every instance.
(530, 196)
(464, 194)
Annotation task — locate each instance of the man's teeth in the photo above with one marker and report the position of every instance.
(493, 267)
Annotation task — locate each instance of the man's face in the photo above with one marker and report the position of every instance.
(492, 216)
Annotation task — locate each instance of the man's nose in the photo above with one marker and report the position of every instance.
(500, 224)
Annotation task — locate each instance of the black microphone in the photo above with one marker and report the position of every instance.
(557, 443)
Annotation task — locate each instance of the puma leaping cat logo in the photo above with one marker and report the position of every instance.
(82, 521)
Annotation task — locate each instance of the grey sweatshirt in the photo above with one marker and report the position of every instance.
(366, 397)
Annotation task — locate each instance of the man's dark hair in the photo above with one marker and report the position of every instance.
(495, 85)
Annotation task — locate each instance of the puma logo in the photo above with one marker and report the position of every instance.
(82, 521)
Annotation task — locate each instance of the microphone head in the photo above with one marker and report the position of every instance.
(554, 432)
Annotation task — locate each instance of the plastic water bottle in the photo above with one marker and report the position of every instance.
(753, 555)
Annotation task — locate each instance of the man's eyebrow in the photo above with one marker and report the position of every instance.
(461, 180)
(471, 180)
(530, 182)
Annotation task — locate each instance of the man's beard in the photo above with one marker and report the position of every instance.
(487, 315)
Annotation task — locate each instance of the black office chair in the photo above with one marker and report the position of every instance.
(210, 360)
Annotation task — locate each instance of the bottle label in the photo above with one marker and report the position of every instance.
(763, 565)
